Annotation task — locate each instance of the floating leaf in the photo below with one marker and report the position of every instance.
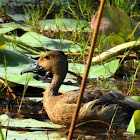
(6, 30)
(134, 125)
(36, 40)
(19, 17)
(20, 79)
(112, 22)
(27, 123)
(137, 98)
(105, 70)
(31, 124)
(37, 135)
(115, 25)
(64, 24)
(14, 58)
(12, 26)
(15, 63)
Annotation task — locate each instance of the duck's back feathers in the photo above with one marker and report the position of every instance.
(101, 104)
(105, 96)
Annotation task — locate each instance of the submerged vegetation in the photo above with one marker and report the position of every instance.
(31, 28)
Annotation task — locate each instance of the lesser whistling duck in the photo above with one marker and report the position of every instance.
(97, 103)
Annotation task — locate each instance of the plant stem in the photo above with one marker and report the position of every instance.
(75, 115)
(42, 10)
(24, 91)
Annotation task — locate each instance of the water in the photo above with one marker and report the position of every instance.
(32, 107)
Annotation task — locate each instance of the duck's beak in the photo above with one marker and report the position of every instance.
(35, 68)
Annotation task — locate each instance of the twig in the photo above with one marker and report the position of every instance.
(75, 115)
(9, 90)
(132, 34)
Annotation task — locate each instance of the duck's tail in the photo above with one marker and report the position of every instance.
(131, 102)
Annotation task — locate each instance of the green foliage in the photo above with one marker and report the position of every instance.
(134, 125)
(24, 91)
(65, 24)
(4, 7)
(17, 62)
(137, 98)
(125, 5)
(29, 124)
(43, 42)
(1, 135)
(32, 18)
(23, 123)
(32, 40)
(2, 41)
(105, 70)
(82, 9)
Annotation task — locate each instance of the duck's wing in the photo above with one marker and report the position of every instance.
(104, 96)
(112, 96)
(89, 95)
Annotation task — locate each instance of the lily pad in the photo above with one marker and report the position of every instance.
(64, 24)
(37, 135)
(116, 26)
(15, 63)
(19, 17)
(28, 123)
(6, 30)
(137, 98)
(113, 20)
(12, 26)
(134, 125)
(20, 79)
(105, 70)
(13, 58)
(36, 40)
(31, 124)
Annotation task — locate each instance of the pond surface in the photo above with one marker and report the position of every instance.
(32, 107)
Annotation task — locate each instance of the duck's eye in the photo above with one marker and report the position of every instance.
(47, 57)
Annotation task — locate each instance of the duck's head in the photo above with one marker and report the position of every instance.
(50, 61)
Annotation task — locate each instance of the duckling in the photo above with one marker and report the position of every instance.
(97, 103)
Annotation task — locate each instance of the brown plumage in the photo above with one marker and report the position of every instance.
(97, 103)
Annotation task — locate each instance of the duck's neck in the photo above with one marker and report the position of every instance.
(53, 88)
